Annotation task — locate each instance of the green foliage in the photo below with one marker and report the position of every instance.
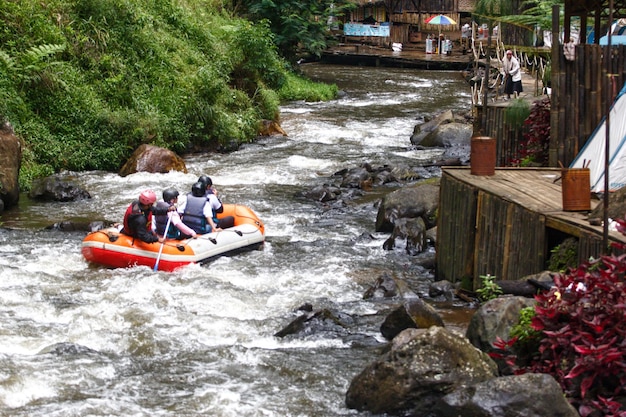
(533, 150)
(564, 256)
(517, 112)
(523, 330)
(489, 289)
(492, 9)
(299, 88)
(296, 24)
(534, 12)
(84, 82)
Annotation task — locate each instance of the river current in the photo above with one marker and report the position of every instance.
(82, 340)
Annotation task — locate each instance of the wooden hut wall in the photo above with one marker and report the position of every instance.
(579, 98)
(479, 233)
(508, 139)
(412, 18)
(455, 230)
(439, 6)
(377, 12)
(510, 240)
(589, 246)
(399, 33)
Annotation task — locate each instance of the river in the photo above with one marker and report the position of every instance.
(82, 340)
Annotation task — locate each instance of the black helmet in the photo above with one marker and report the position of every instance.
(169, 194)
(198, 189)
(206, 181)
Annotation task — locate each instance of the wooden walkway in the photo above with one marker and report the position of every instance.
(507, 224)
(410, 57)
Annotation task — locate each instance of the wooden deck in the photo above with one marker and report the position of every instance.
(410, 57)
(507, 224)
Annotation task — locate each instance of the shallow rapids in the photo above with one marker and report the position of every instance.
(82, 340)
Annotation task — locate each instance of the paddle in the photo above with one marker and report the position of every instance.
(167, 226)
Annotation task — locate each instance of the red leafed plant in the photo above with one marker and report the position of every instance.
(582, 322)
(533, 150)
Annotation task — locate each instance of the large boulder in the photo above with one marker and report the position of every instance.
(271, 128)
(528, 395)
(449, 135)
(10, 162)
(415, 374)
(414, 313)
(421, 200)
(59, 187)
(422, 130)
(413, 231)
(149, 158)
(494, 319)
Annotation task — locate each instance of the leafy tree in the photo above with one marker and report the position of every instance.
(296, 24)
(534, 13)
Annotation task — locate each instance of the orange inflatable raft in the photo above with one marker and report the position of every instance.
(111, 248)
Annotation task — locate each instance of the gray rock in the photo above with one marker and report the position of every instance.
(421, 200)
(58, 187)
(528, 395)
(422, 130)
(415, 375)
(413, 231)
(413, 313)
(449, 135)
(495, 318)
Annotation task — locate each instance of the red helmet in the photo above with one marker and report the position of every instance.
(147, 198)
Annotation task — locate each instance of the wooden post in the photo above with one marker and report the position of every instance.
(553, 156)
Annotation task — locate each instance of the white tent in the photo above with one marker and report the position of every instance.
(593, 151)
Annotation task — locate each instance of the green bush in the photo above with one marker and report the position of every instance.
(299, 88)
(489, 289)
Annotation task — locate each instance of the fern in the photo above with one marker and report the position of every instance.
(36, 54)
(27, 66)
(6, 60)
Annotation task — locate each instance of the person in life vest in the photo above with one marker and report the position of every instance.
(215, 202)
(138, 218)
(197, 212)
(178, 229)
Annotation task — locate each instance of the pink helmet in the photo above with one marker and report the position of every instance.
(147, 198)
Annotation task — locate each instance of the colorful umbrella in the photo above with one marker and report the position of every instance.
(440, 20)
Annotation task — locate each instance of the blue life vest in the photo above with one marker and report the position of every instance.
(160, 221)
(194, 214)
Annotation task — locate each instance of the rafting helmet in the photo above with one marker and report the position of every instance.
(206, 181)
(147, 197)
(169, 194)
(198, 189)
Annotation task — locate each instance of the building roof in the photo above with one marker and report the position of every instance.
(589, 7)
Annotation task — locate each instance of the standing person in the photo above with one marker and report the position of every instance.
(177, 229)
(138, 218)
(512, 74)
(215, 202)
(197, 212)
(465, 34)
